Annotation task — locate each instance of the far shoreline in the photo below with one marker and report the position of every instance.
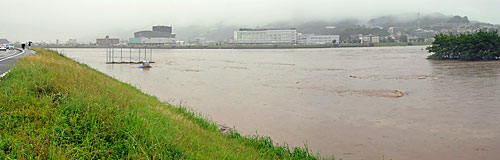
(243, 46)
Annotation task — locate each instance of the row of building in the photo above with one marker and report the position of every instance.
(290, 36)
(162, 35)
(281, 36)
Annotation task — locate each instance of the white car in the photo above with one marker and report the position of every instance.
(3, 48)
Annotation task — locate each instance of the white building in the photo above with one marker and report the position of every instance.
(152, 40)
(411, 39)
(72, 41)
(160, 35)
(369, 39)
(265, 36)
(396, 32)
(318, 39)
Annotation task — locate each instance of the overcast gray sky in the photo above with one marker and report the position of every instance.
(48, 20)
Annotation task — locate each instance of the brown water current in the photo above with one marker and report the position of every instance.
(352, 103)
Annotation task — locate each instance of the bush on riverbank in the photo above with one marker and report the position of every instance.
(466, 47)
(54, 108)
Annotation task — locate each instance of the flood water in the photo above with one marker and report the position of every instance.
(352, 103)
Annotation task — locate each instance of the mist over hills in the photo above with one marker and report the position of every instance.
(408, 20)
(344, 27)
(223, 32)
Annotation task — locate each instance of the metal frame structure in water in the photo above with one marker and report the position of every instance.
(134, 55)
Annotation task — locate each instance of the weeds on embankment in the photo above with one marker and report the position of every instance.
(54, 108)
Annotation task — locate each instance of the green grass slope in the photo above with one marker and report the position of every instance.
(54, 108)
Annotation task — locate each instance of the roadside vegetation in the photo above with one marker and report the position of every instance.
(475, 46)
(52, 107)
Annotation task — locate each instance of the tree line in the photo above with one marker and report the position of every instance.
(475, 46)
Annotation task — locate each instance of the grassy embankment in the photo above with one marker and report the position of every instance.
(54, 108)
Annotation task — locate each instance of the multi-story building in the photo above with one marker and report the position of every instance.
(318, 39)
(106, 41)
(71, 41)
(265, 36)
(424, 35)
(370, 38)
(396, 32)
(152, 41)
(412, 39)
(160, 35)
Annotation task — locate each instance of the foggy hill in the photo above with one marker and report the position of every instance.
(345, 27)
(408, 20)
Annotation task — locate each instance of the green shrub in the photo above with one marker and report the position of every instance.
(466, 47)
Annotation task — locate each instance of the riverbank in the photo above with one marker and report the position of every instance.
(55, 108)
(234, 46)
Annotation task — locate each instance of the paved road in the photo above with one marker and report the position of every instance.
(7, 58)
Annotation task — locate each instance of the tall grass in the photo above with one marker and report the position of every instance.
(54, 108)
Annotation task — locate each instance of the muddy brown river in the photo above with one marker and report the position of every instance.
(351, 103)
